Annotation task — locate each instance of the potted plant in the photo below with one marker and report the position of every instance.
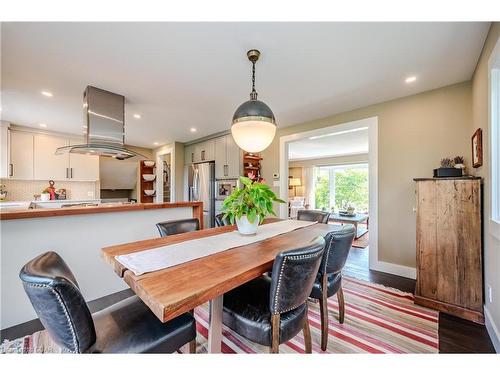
(448, 169)
(45, 196)
(459, 163)
(249, 205)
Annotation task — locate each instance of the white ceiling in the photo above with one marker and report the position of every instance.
(183, 75)
(330, 144)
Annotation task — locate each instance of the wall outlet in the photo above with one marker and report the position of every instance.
(276, 175)
(490, 293)
(90, 193)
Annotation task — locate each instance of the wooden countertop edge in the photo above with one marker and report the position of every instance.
(54, 212)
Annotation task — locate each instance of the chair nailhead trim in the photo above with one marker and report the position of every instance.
(285, 258)
(66, 314)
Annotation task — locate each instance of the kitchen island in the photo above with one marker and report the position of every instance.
(77, 234)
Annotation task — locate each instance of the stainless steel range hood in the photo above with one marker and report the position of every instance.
(104, 114)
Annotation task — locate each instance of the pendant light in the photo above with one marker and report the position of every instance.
(253, 125)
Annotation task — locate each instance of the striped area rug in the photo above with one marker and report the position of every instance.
(377, 320)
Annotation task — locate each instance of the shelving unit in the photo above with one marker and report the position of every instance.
(145, 185)
(251, 164)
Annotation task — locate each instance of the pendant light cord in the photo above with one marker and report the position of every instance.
(253, 94)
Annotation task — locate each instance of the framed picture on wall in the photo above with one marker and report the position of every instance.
(477, 148)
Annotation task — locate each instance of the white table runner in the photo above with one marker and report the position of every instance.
(171, 255)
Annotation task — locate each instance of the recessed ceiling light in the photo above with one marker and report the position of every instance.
(43, 125)
(410, 79)
(156, 143)
(46, 93)
(136, 115)
(193, 130)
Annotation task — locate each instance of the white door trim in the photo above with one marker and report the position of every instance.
(372, 123)
(159, 173)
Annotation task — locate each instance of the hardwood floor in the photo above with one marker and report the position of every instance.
(455, 335)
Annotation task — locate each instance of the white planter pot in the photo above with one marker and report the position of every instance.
(245, 227)
(45, 197)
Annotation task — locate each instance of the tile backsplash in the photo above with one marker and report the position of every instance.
(23, 190)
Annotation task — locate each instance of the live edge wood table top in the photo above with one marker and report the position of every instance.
(173, 291)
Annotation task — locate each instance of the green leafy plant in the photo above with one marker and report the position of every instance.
(458, 159)
(253, 199)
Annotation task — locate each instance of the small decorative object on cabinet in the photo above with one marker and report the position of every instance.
(146, 188)
(447, 169)
(459, 163)
(477, 148)
(251, 165)
(449, 266)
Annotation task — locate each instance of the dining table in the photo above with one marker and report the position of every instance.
(175, 290)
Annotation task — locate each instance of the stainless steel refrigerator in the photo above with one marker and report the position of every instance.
(201, 185)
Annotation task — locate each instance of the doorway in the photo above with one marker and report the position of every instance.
(165, 175)
(345, 154)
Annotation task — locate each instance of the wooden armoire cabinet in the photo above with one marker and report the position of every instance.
(449, 266)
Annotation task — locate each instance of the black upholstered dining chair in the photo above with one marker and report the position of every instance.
(220, 221)
(128, 326)
(329, 279)
(168, 228)
(272, 310)
(313, 215)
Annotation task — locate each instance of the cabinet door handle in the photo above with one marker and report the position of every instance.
(226, 170)
(67, 172)
(203, 155)
(71, 172)
(192, 157)
(11, 170)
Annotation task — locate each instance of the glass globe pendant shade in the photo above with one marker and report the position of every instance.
(253, 126)
(253, 136)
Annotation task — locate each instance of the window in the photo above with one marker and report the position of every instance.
(494, 67)
(339, 186)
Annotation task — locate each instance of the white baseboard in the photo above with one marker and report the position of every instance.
(394, 269)
(492, 329)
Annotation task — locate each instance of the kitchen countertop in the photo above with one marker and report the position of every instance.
(13, 203)
(102, 208)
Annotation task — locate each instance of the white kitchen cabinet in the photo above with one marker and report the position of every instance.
(208, 150)
(83, 167)
(21, 155)
(204, 151)
(227, 157)
(48, 165)
(233, 161)
(4, 150)
(220, 157)
(188, 155)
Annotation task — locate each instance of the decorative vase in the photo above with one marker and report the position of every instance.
(3, 195)
(245, 227)
(460, 166)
